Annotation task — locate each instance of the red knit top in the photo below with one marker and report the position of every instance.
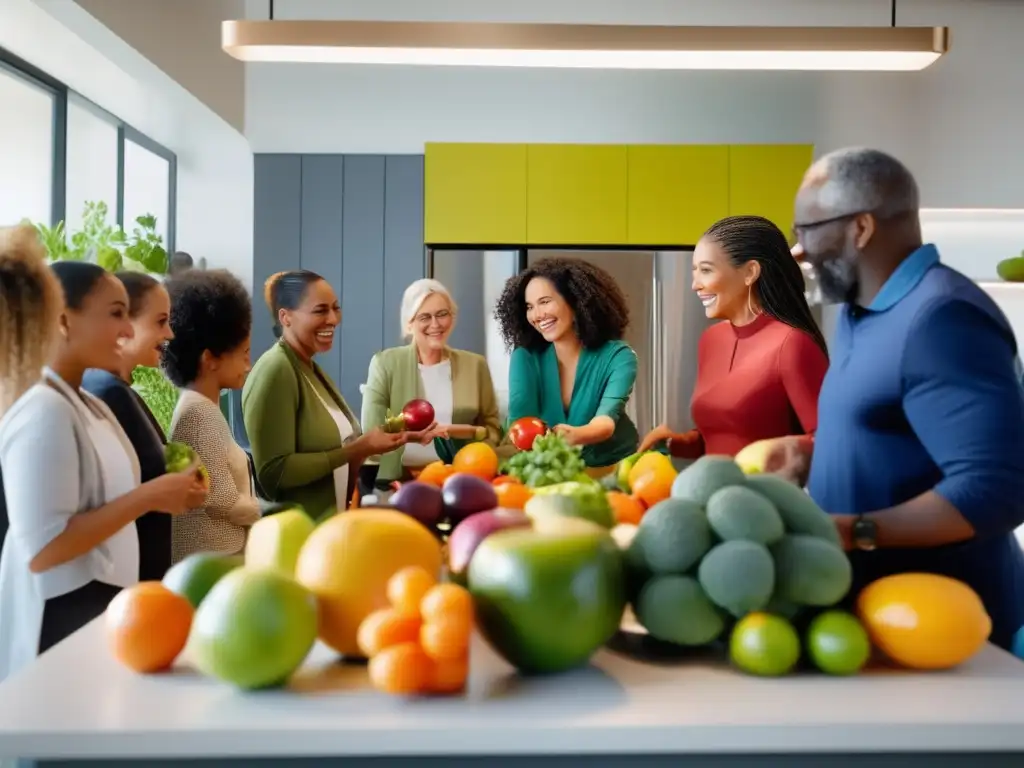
(754, 382)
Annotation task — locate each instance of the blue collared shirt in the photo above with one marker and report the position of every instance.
(923, 394)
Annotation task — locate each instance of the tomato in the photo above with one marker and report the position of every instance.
(524, 431)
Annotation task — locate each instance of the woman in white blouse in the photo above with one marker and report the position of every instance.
(455, 382)
(211, 318)
(71, 477)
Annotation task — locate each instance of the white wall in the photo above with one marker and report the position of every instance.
(957, 124)
(215, 168)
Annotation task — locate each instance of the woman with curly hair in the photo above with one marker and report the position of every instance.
(211, 322)
(564, 320)
(759, 371)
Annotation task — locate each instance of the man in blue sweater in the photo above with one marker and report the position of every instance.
(919, 452)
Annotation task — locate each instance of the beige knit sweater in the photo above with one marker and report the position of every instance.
(231, 506)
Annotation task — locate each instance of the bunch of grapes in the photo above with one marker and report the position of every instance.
(550, 461)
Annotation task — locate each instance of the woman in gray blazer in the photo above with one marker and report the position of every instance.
(71, 477)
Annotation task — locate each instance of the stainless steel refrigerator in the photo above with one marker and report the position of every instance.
(666, 318)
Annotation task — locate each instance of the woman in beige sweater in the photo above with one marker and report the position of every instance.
(211, 317)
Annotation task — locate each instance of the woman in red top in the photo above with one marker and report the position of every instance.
(760, 371)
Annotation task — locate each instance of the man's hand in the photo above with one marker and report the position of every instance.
(790, 457)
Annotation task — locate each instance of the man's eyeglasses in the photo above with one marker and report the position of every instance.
(800, 228)
(426, 318)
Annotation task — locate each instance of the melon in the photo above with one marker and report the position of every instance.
(347, 562)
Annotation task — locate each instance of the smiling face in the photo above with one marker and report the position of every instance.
(96, 332)
(310, 327)
(151, 328)
(722, 288)
(433, 322)
(828, 243)
(547, 310)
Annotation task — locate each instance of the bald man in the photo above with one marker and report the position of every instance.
(919, 452)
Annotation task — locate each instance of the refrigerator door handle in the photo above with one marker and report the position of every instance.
(657, 364)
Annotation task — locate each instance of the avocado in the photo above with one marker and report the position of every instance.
(672, 537)
(699, 481)
(736, 512)
(810, 571)
(1012, 270)
(798, 511)
(674, 609)
(738, 576)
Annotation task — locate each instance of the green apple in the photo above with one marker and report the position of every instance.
(549, 596)
(275, 541)
(195, 576)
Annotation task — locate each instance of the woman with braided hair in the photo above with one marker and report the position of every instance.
(759, 371)
(564, 320)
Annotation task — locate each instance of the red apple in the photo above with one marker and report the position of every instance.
(524, 431)
(418, 415)
(470, 532)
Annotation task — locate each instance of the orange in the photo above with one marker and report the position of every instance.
(654, 461)
(502, 479)
(477, 459)
(512, 495)
(924, 621)
(385, 628)
(450, 675)
(348, 561)
(147, 626)
(435, 473)
(407, 587)
(402, 669)
(446, 638)
(627, 509)
(447, 601)
(654, 486)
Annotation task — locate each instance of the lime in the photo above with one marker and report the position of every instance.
(254, 629)
(763, 644)
(196, 575)
(838, 643)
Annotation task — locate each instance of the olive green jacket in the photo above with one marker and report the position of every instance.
(394, 380)
(294, 441)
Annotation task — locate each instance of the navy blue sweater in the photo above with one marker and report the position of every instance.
(923, 394)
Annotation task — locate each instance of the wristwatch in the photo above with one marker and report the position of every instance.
(864, 534)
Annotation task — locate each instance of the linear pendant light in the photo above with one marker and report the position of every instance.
(585, 46)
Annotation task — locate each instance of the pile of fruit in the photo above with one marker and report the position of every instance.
(420, 643)
(545, 573)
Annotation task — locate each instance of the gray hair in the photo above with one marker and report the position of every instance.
(869, 181)
(416, 294)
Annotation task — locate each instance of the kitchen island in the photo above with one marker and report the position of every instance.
(76, 704)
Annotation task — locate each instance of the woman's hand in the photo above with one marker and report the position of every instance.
(377, 441)
(197, 496)
(425, 436)
(659, 434)
(176, 492)
(571, 435)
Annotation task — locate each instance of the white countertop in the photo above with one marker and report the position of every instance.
(77, 702)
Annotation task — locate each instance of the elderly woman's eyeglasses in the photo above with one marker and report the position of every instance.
(426, 318)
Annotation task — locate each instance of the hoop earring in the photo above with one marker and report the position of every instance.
(754, 312)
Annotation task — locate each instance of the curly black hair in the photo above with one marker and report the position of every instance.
(210, 310)
(596, 300)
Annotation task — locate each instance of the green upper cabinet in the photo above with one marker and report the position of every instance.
(475, 194)
(764, 179)
(676, 192)
(576, 194)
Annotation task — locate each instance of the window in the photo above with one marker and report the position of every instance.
(26, 150)
(91, 161)
(147, 178)
(59, 151)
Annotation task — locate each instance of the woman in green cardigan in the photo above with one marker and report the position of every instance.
(306, 442)
(564, 320)
(455, 382)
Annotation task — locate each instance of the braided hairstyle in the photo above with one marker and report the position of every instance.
(780, 288)
(286, 290)
(596, 300)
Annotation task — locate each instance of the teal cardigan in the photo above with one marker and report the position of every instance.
(604, 381)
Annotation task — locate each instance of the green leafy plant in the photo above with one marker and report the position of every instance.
(109, 246)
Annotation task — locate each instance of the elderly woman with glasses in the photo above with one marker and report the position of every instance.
(455, 382)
